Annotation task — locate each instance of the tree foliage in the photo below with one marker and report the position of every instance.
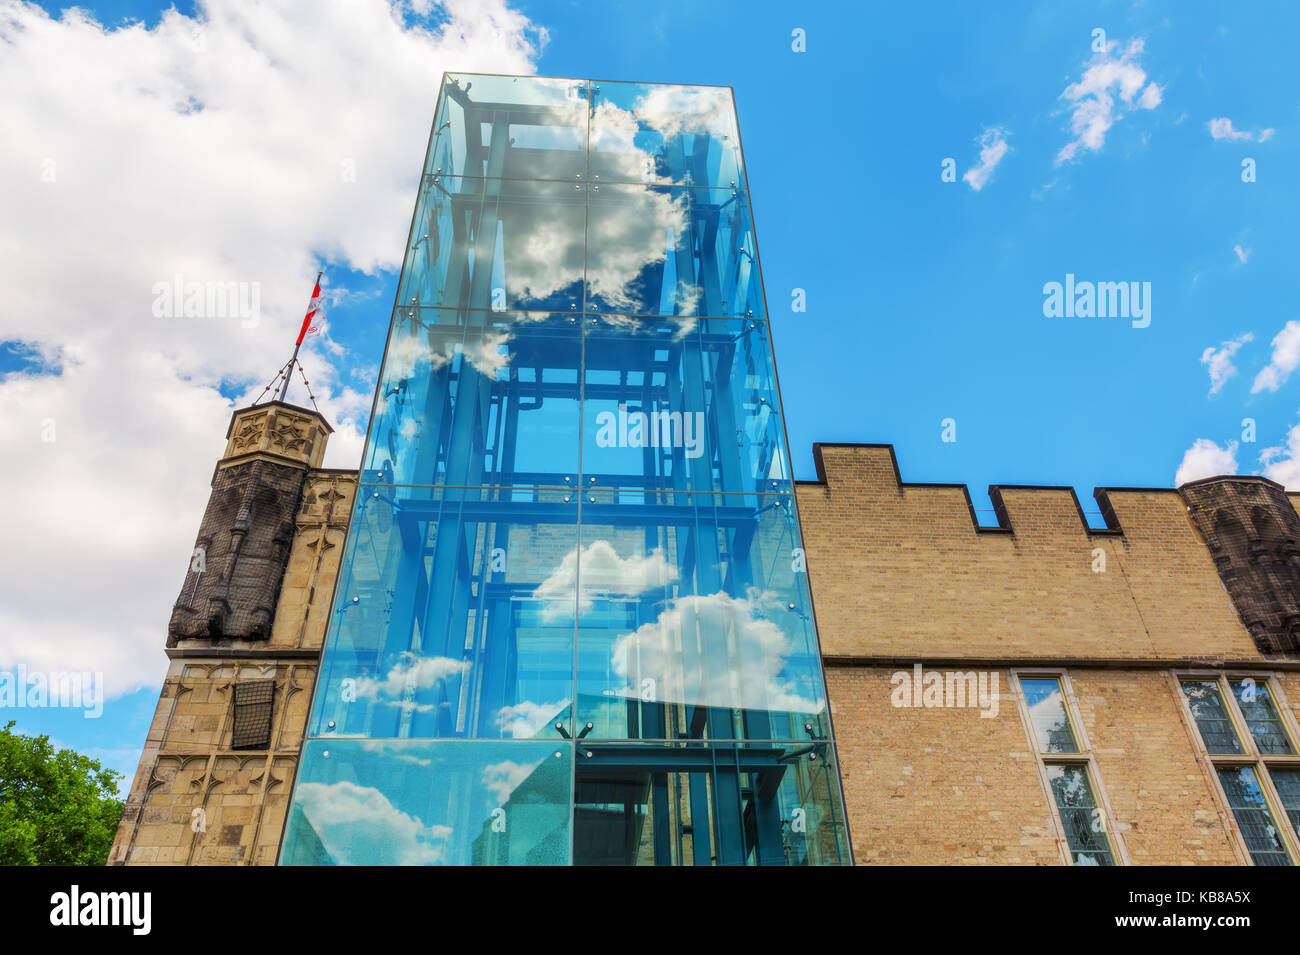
(56, 807)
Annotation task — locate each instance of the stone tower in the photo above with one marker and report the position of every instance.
(243, 642)
(1253, 532)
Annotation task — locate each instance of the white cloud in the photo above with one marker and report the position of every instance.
(1092, 99)
(1219, 361)
(717, 625)
(1282, 464)
(1206, 459)
(209, 147)
(503, 778)
(603, 573)
(359, 825)
(1242, 254)
(993, 146)
(665, 111)
(1286, 357)
(526, 719)
(1221, 129)
(412, 354)
(410, 675)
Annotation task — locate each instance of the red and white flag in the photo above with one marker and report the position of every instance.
(313, 311)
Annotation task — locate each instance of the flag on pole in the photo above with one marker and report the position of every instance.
(313, 311)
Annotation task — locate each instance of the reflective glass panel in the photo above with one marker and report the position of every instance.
(517, 127)
(1262, 717)
(477, 398)
(681, 403)
(496, 244)
(707, 804)
(660, 250)
(1084, 822)
(576, 525)
(651, 133)
(1211, 716)
(1254, 817)
(695, 619)
(454, 616)
(418, 802)
(1048, 713)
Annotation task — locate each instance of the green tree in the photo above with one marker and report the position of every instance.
(56, 808)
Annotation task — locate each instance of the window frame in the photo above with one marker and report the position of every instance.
(1251, 756)
(1083, 757)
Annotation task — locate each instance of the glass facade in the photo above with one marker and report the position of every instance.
(573, 623)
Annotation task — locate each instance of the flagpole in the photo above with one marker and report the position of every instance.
(298, 344)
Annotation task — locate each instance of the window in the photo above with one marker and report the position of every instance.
(1082, 819)
(1049, 715)
(1262, 717)
(1287, 782)
(1068, 770)
(252, 724)
(1212, 719)
(1245, 736)
(1251, 809)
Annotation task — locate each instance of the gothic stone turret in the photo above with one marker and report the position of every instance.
(1253, 533)
(242, 548)
(244, 639)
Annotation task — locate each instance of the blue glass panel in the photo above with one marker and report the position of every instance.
(681, 403)
(512, 585)
(692, 803)
(517, 127)
(694, 619)
(661, 250)
(417, 802)
(454, 616)
(496, 244)
(477, 398)
(653, 133)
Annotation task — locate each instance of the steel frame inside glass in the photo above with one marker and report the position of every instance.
(576, 533)
(1276, 814)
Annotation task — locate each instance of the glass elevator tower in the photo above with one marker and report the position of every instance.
(572, 623)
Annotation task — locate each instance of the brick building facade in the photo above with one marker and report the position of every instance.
(1186, 600)
(902, 574)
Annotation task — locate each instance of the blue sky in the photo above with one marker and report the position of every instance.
(925, 297)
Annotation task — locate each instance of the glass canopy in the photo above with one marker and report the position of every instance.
(572, 623)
